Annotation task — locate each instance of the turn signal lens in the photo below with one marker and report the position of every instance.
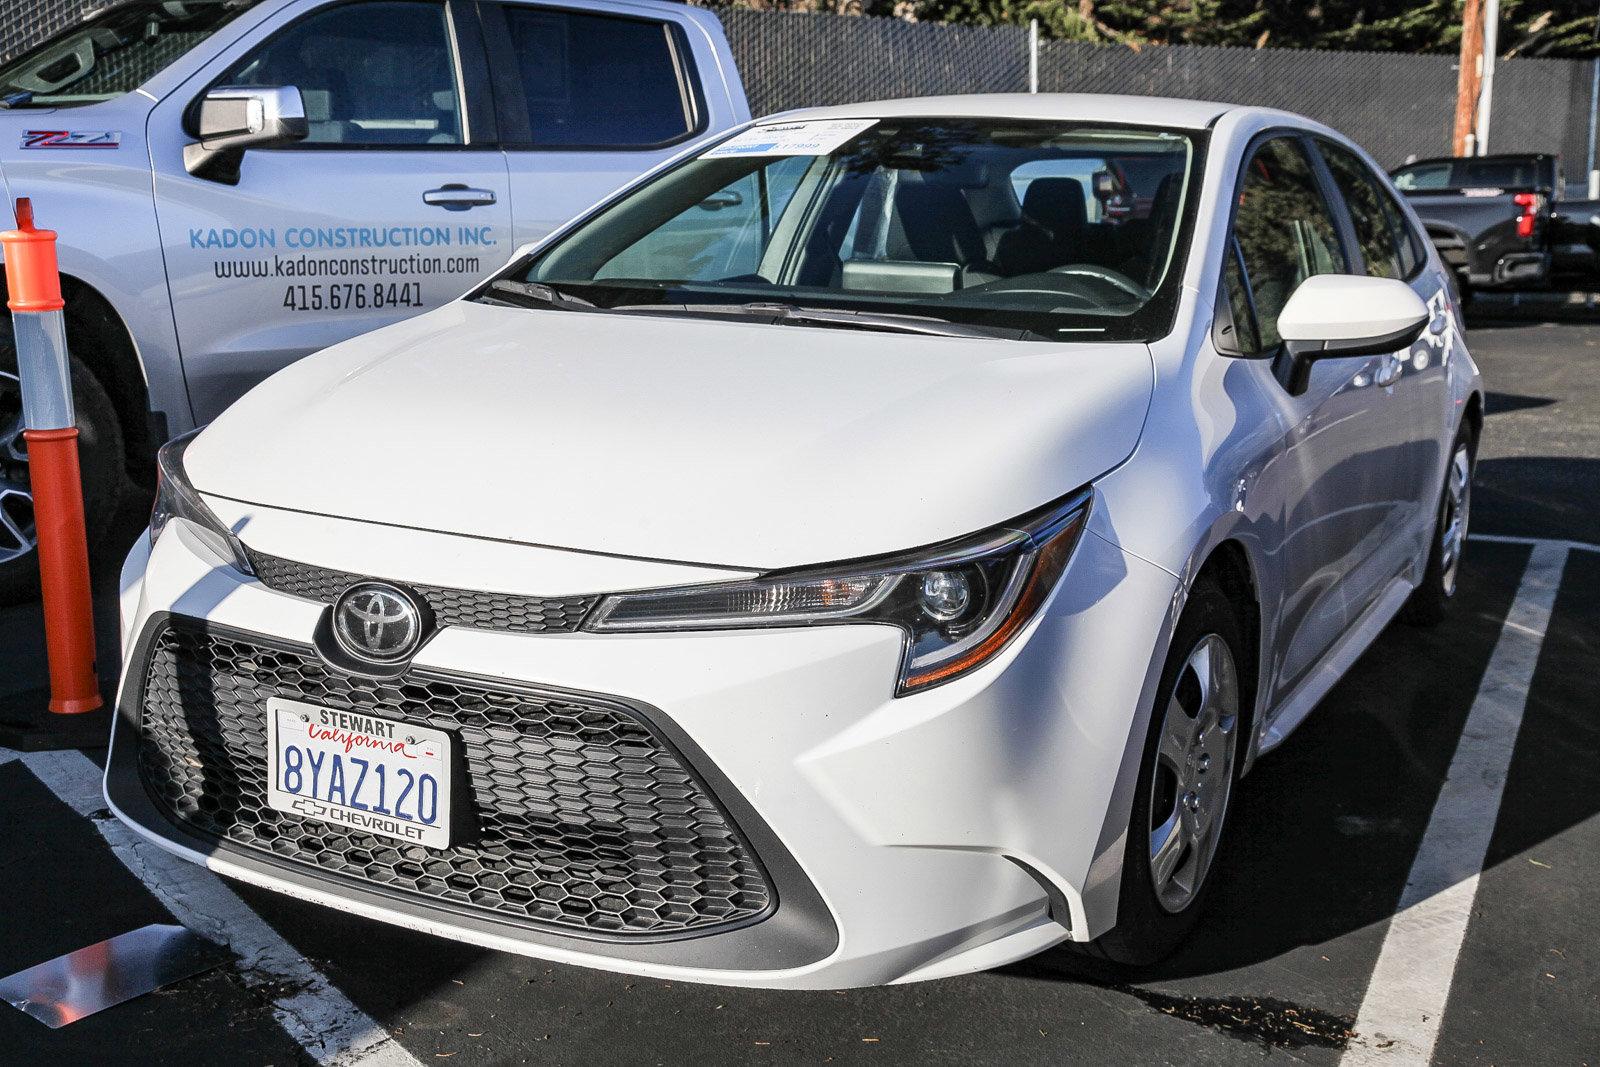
(958, 603)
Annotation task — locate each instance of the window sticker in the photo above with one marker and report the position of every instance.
(816, 138)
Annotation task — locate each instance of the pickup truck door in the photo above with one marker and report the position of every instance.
(397, 201)
(588, 100)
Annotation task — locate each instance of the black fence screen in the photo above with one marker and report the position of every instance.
(1395, 105)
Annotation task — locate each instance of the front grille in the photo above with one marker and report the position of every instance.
(451, 607)
(586, 819)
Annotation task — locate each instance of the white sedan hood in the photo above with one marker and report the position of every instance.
(739, 444)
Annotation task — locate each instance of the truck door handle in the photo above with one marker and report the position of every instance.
(458, 197)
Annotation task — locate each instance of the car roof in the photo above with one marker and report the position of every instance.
(1081, 107)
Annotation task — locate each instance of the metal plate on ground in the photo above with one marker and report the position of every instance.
(102, 975)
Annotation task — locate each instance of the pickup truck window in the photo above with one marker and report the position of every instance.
(1284, 230)
(1487, 172)
(113, 53)
(597, 81)
(908, 216)
(1423, 176)
(377, 73)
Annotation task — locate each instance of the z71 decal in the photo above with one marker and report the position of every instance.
(71, 138)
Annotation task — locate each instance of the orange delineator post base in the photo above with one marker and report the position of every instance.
(33, 285)
(63, 569)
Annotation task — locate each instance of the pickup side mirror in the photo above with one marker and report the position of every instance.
(234, 118)
(1334, 315)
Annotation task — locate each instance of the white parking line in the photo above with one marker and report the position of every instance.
(323, 1020)
(1406, 997)
(1510, 539)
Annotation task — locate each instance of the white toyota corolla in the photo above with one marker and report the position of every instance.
(868, 549)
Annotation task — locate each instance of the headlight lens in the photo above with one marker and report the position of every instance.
(177, 499)
(959, 603)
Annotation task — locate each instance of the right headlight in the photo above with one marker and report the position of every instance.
(959, 603)
(177, 499)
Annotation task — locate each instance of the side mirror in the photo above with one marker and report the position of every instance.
(234, 118)
(1334, 315)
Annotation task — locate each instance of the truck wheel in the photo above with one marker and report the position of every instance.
(101, 458)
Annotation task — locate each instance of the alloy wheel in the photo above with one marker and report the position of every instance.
(18, 535)
(1193, 778)
(1453, 516)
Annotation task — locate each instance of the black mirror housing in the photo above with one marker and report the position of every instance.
(231, 119)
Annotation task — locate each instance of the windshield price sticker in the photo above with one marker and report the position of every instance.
(791, 139)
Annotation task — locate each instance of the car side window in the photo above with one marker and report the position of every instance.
(1242, 337)
(1380, 228)
(597, 80)
(1413, 253)
(1284, 231)
(376, 73)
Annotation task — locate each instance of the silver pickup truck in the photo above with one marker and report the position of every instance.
(238, 183)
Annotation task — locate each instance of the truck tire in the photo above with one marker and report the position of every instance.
(101, 458)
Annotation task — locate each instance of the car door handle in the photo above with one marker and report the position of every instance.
(458, 197)
(1388, 371)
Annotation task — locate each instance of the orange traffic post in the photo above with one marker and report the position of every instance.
(34, 285)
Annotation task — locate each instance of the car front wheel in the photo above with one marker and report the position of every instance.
(1185, 786)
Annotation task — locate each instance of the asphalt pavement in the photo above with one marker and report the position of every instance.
(1289, 965)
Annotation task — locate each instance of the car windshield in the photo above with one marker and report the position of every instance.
(111, 54)
(1044, 229)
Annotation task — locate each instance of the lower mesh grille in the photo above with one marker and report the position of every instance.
(587, 820)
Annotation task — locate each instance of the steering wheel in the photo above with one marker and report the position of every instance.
(1114, 278)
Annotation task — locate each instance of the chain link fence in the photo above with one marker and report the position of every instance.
(1395, 105)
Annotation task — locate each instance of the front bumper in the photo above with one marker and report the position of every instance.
(908, 838)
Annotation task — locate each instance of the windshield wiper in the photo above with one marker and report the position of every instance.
(538, 294)
(19, 98)
(886, 321)
(535, 294)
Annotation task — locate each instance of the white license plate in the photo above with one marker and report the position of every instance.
(357, 770)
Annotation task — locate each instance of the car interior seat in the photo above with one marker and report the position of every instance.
(1051, 231)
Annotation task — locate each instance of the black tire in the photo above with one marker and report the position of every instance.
(102, 461)
(1430, 602)
(1147, 929)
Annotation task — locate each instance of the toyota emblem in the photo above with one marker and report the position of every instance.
(377, 621)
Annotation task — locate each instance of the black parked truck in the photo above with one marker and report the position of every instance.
(1505, 222)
